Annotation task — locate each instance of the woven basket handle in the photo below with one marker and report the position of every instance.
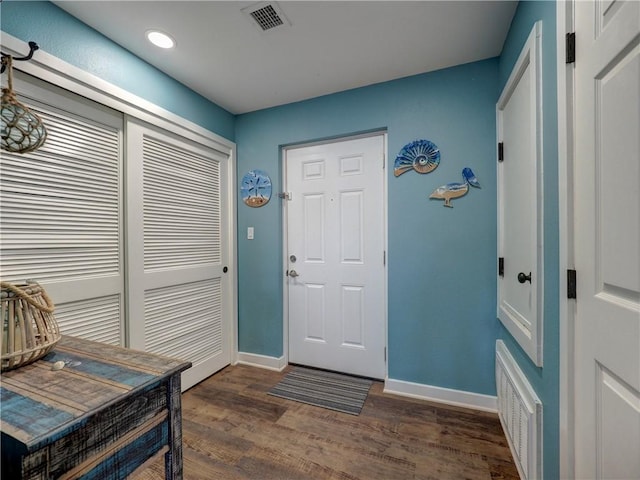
(49, 308)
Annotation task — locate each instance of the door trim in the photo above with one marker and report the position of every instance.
(564, 25)
(285, 290)
(54, 70)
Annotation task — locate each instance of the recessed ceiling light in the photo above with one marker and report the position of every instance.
(160, 39)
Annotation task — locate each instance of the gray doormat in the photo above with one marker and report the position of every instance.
(334, 391)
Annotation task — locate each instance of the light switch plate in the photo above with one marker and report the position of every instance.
(249, 233)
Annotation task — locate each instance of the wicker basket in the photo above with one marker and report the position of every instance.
(29, 329)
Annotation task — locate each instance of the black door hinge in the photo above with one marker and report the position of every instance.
(571, 284)
(500, 151)
(570, 47)
(501, 266)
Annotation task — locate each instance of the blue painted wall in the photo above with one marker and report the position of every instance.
(65, 37)
(441, 261)
(544, 380)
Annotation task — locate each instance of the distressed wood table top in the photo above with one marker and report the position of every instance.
(40, 405)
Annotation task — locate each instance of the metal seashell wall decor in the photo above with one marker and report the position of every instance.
(22, 130)
(422, 156)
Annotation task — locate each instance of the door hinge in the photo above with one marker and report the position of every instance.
(571, 284)
(570, 39)
(385, 354)
(501, 266)
(384, 257)
(285, 195)
(500, 151)
(384, 161)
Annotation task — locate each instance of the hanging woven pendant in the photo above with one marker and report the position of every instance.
(22, 130)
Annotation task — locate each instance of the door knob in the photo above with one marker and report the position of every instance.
(524, 278)
(293, 273)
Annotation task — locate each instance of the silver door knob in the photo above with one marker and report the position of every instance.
(293, 273)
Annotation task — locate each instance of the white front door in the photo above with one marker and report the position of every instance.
(607, 245)
(336, 258)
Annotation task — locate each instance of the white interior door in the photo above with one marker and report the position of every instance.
(180, 293)
(607, 245)
(519, 201)
(336, 264)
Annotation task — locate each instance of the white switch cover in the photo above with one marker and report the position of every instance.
(249, 233)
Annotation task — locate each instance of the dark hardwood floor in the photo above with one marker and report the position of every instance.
(233, 430)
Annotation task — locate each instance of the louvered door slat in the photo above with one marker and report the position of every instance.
(77, 138)
(30, 228)
(63, 156)
(181, 207)
(94, 319)
(66, 178)
(180, 197)
(195, 339)
(163, 155)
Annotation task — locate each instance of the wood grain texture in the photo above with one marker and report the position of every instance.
(173, 458)
(100, 417)
(233, 430)
(96, 376)
(129, 441)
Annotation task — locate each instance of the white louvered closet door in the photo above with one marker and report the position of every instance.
(177, 249)
(60, 210)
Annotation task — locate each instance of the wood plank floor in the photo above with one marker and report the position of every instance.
(233, 430)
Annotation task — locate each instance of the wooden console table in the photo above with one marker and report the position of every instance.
(103, 415)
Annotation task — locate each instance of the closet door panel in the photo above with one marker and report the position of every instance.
(179, 293)
(61, 211)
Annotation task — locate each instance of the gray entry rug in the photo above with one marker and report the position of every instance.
(334, 391)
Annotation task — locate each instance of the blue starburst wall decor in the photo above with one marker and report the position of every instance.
(423, 156)
(255, 188)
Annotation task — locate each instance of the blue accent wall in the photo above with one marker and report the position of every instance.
(442, 325)
(544, 380)
(67, 38)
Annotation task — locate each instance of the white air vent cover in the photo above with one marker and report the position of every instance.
(266, 16)
(520, 412)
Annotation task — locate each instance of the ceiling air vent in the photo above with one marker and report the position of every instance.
(266, 16)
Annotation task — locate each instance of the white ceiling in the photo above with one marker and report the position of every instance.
(330, 46)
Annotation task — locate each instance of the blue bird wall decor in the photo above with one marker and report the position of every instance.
(456, 190)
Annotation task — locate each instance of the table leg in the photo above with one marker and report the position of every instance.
(173, 458)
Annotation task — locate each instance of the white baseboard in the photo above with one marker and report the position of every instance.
(262, 361)
(458, 398)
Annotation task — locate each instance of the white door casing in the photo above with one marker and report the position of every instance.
(520, 245)
(179, 291)
(607, 240)
(336, 231)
